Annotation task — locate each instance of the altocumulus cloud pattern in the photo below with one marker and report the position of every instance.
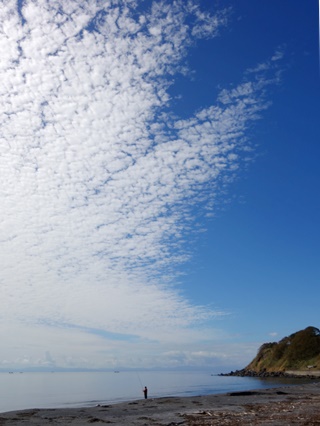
(97, 176)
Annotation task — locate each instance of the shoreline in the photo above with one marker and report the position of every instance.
(286, 405)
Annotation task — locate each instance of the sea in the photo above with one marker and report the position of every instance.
(25, 390)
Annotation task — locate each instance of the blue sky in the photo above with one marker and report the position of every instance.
(260, 255)
(159, 181)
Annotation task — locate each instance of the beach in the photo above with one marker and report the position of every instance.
(289, 405)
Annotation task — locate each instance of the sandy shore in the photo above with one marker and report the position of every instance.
(295, 405)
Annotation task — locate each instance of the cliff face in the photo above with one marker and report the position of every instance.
(299, 351)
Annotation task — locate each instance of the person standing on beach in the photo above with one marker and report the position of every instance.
(145, 391)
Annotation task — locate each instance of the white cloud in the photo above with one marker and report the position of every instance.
(96, 179)
(71, 347)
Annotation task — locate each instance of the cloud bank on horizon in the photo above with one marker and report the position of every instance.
(101, 182)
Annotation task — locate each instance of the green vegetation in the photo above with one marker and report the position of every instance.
(299, 351)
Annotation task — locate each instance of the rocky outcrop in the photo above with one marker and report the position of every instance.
(276, 374)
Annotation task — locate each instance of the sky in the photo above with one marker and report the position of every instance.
(159, 181)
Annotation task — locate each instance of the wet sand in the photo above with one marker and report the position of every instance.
(285, 406)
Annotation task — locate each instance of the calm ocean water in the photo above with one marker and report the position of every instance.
(51, 390)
